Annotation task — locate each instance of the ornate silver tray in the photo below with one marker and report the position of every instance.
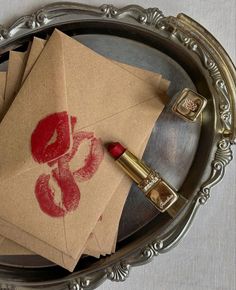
(184, 52)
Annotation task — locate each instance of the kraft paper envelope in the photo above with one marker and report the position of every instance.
(41, 248)
(50, 253)
(36, 49)
(114, 244)
(34, 52)
(153, 78)
(7, 247)
(12, 249)
(102, 240)
(118, 122)
(119, 85)
(11, 166)
(16, 65)
(32, 105)
(35, 244)
(2, 89)
(107, 227)
(105, 231)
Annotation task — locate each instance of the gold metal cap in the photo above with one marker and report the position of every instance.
(189, 105)
(148, 180)
(162, 195)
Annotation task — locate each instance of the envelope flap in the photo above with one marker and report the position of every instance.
(43, 94)
(2, 89)
(98, 85)
(36, 48)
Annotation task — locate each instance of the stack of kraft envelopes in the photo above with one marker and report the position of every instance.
(61, 194)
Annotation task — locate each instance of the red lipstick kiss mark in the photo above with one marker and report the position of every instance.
(45, 197)
(69, 189)
(65, 179)
(44, 151)
(93, 158)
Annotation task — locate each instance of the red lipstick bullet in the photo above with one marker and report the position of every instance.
(115, 149)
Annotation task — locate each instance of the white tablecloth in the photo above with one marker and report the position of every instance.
(205, 259)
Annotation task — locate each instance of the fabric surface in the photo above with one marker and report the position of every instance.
(205, 259)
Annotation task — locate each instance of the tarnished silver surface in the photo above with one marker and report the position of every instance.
(219, 75)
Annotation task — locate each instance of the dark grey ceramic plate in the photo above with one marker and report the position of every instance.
(190, 156)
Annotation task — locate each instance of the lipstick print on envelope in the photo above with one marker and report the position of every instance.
(111, 105)
(52, 154)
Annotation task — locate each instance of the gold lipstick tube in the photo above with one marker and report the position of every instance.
(148, 180)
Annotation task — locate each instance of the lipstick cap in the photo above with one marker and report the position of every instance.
(189, 105)
(162, 195)
(148, 180)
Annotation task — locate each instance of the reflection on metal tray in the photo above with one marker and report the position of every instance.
(190, 156)
(170, 136)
